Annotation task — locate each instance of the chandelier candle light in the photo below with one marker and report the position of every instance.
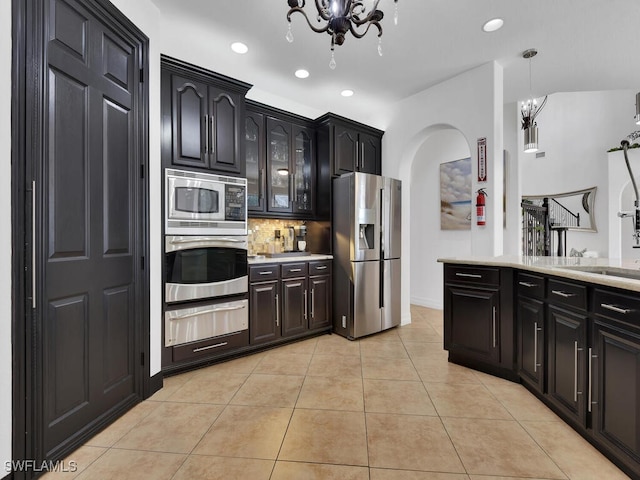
(341, 17)
(530, 110)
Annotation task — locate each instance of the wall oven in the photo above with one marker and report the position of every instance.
(204, 204)
(200, 267)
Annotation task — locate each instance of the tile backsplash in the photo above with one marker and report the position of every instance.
(262, 231)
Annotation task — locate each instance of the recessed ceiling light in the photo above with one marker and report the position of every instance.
(347, 93)
(302, 73)
(493, 25)
(239, 47)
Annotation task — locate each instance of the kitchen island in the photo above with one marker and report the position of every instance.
(568, 329)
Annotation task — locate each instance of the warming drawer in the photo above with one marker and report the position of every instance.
(186, 325)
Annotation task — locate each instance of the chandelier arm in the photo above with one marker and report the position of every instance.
(539, 109)
(321, 12)
(304, 14)
(355, 16)
(360, 35)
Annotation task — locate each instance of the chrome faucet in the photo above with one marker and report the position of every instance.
(635, 215)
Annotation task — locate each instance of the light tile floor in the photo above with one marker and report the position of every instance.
(381, 408)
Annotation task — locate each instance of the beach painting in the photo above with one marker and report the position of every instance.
(455, 195)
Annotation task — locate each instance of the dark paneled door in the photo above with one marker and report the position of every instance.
(91, 223)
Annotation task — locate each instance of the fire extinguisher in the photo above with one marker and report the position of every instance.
(480, 207)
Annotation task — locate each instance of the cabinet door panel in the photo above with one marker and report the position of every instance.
(255, 161)
(279, 163)
(224, 131)
(320, 301)
(616, 390)
(531, 341)
(294, 306)
(345, 150)
(472, 322)
(304, 178)
(264, 312)
(189, 105)
(566, 361)
(370, 155)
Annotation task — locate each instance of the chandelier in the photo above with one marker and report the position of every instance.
(530, 110)
(341, 17)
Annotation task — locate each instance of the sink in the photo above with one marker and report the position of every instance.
(610, 271)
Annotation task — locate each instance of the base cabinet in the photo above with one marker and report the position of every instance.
(264, 312)
(320, 302)
(294, 306)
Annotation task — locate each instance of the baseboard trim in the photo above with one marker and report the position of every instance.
(155, 383)
(427, 302)
(406, 319)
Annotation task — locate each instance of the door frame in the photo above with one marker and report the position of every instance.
(27, 153)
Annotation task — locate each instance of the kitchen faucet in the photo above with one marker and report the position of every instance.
(636, 216)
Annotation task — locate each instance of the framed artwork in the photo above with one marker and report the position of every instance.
(455, 195)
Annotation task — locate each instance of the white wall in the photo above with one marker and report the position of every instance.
(575, 131)
(5, 234)
(428, 242)
(472, 103)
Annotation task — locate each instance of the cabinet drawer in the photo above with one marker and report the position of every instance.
(566, 293)
(264, 272)
(293, 270)
(531, 286)
(211, 346)
(472, 274)
(322, 267)
(623, 308)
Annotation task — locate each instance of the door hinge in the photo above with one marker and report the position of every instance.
(141, 171)
(142, 263)
(142, 359)
(142, 75)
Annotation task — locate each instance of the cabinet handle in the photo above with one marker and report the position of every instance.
(33, 245)
(306, 306)
(535, 347)
(322, 267)
(356, 156)
(468, 275)
(206, 134)
(291, 187)
(265, 273)
(260, 187)
(295, 270)
(313, 301)
(277, 310)
(575, 372)
(590, 393)
(527, 284)
(616, 309)
(494, 327)
(213, 136)
(362, 155)
(560, 293)
(206, 312)
(196, 350)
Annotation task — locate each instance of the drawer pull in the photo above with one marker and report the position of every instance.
(206, 312)
(563, 294)
(295, 270)
(266, 273)
(613, 308)
(469, 275)
(322, 267)
(201, 349)
(527, 284)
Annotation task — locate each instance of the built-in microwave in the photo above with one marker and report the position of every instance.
(204, 204)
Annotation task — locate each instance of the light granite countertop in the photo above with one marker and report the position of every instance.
(617, 270)
(259, 259)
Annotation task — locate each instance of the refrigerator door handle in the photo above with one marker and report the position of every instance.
(382, 267)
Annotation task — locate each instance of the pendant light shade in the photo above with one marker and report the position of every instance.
(531, 139)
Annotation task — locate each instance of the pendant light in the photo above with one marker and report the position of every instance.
(530, 110)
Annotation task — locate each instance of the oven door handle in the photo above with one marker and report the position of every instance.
(180, 241)
(211, 310)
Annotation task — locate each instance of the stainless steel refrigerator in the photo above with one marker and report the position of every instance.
(367, 234)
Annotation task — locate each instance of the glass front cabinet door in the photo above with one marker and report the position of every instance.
(280, 168)
(303, 173)
(255, 161)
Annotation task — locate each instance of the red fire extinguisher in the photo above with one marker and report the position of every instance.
(480, 207)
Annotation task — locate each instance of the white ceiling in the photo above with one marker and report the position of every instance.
(583, 45)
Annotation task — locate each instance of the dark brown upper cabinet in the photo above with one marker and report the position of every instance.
(280, 152)
(349, 146)
(202, 119)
